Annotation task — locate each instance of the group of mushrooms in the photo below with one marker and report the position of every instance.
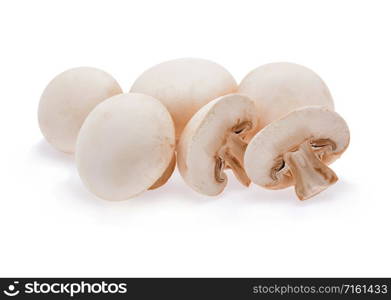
(277, 128)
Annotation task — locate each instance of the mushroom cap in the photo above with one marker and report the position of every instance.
(285, 134)
(204, 135)
(279, 88)
(184, 86)
(68, 99)
(124, 146)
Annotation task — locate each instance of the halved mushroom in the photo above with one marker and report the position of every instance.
(184, 86)
(214, 140)
(279, 88)
(68, 99)
(296, 150)
(125, 146)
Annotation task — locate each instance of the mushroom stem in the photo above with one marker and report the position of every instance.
(231, 156)
(311, 175)
(236, 146)
(237, 168)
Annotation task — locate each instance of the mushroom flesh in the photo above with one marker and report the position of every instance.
(215, 139)
(296, 149)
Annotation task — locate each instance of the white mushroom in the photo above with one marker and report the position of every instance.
(215, 139)
(279, 88)
(184, 86)
(296, 150)
(68, 99)
(125, 145)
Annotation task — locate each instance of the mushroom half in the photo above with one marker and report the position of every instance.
(215, 139)
(184, 86)
(126, 146)
(296, 149)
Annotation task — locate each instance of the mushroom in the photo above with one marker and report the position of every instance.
(68, 99)
(279, 88)
(296, 149)
(184, 86)
(125, 146)
(214, 140)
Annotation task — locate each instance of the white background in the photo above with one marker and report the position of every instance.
(50, 225)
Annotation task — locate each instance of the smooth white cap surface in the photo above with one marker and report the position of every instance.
(184, 86)
(68, 99)
(279, 88)
(124, 146)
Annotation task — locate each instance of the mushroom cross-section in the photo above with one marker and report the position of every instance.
(126, 146)
(216, 139)
(184, 86)
(296, 149)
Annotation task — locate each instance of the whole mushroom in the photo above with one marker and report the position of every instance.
(125, 146)
(279, 88)
(215, 139)
(184, 86)
(68, 99)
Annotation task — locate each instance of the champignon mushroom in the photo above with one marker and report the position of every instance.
(215, 139)
(125, 146)
(296, 150)
(68, 99)
(279, 88)
(184, 86)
